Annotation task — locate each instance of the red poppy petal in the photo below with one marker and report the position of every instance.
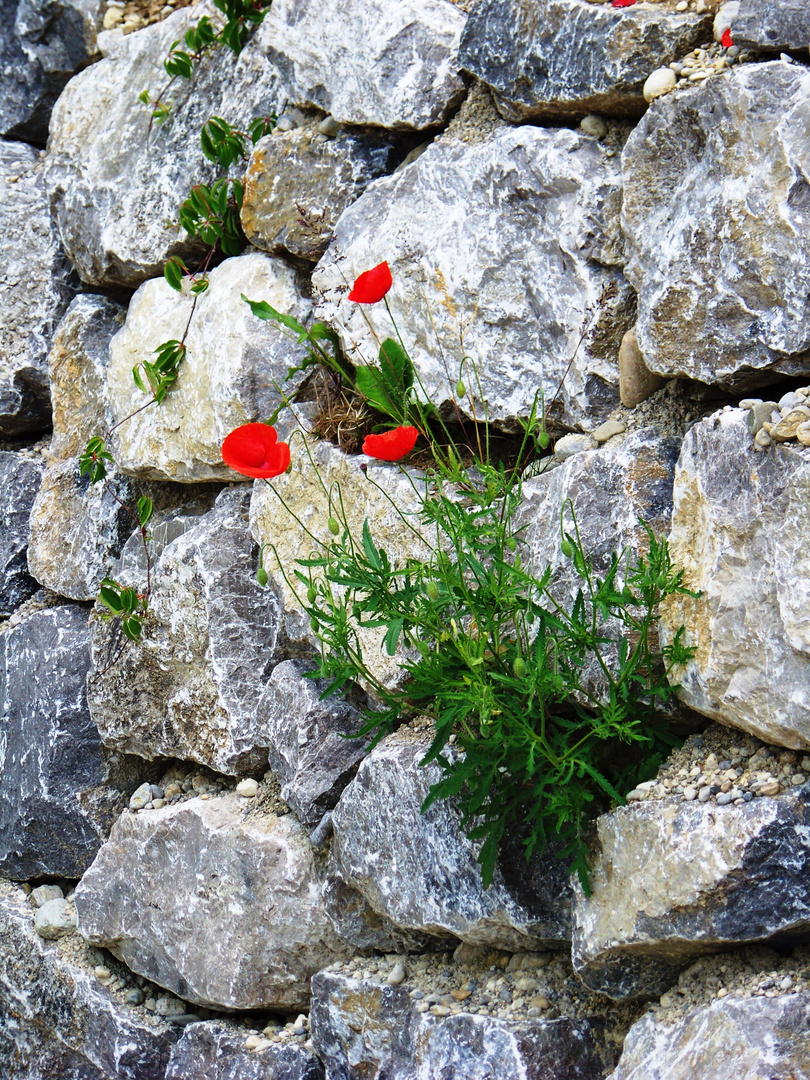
(252, 450)
(372, 285)
(391, 445)
(622, 3)
(726, 40)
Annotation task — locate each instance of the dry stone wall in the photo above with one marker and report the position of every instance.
(602, 207)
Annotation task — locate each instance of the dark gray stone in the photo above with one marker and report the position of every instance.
(772, 24)
(553, 59)
(216, 1051)
(359, 925)
(20, 477)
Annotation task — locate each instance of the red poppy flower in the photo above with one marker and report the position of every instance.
(252, 450)
(622, 3)
(372, 285)
(725, 40)
(391, 445)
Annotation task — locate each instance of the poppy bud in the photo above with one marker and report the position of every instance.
(519, 667)
(511, 543)
(567, 548)
(261, 576)
(461, 389)
(311, 594)
(334, 527)
(433, 590)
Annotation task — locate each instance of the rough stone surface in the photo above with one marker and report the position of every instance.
(419, 870)
(784, 24)
(673, 880)
(717, 233)
(636, 381)
(741, 531)
(59, 790)
(359, 925)
(298, 183)
(189, 688)
(121, 233)
(57, 1020)
(217, 1051)
(231, 375)
(402, 71)
(372, 1029)
(43, 43)
(246, 883)
(553, 59)
(36, 286)
(20, 477)
(503, 251)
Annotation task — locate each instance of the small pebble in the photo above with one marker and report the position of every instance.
(248, 789)
(661, 81)
(397, 975)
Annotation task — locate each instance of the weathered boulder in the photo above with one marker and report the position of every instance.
(59, 790)
(298, 183)
(57, 1020)
(121, 233)
(717, 233)
(216, 1051)
(43, 44)
(232, 373)
(403, 71)
(189, 689)
(504, 251)
(20, 478)
(359, 925)
(772, 25)
(555, 59)
(244, 881)
(420, 871)
(741, 531)
(36, 286)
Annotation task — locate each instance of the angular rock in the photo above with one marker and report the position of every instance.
(20, 477)
(772, 25)
(59, 790)
(36, 286)
(298, 183)
(703, 224)
(121, 233)
(503, 251)
(359, 925)
(561, 59)
(43, 44)
(309, 739)
(232, 374)
(189, 689)
(741, 531)
(245, 882)
(403, 71)
(371, 1029)
(217, 1051)
(420, 871)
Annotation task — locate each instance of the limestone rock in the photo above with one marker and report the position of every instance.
(189, 688)
(216, 1051)
(234, 367)
(503, 251)
(59, 790)
(359, 925)
(701, 226)
(369, 1028)
(403, 71)
(636, 381)
(770, 25)
(673, 880)
(57, 1020)
(420, 871)
(741, 531)
(43, 44)
(121, 233)
(36, 286)
(298, 183)
(55, 919)
(554, 59)
(20, 477)
(245, 883)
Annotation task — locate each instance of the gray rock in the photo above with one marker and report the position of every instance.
(57, 1020)
(372, 1029)
(189, 688)
(554, 59)
(59, 790)
(297, 184)
(765, 24)
(420, 871)
(403, 71)
(672, 881)
(504, 250)
(359, 925)
(216, 1051)
(700, 225)
(43, 44)
(741, 531)
(636, 381)
(244, 882)
(309, 743)
(20, 478)
(36, 286)
(43, 893)
(121, 234)
(55, 918)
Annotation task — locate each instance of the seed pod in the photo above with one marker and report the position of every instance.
(261, 576)
(461, 389)
(519, 667)
(334, 527)
(433, 590)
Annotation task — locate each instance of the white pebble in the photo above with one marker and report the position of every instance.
(659, 82)
(248, 789)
